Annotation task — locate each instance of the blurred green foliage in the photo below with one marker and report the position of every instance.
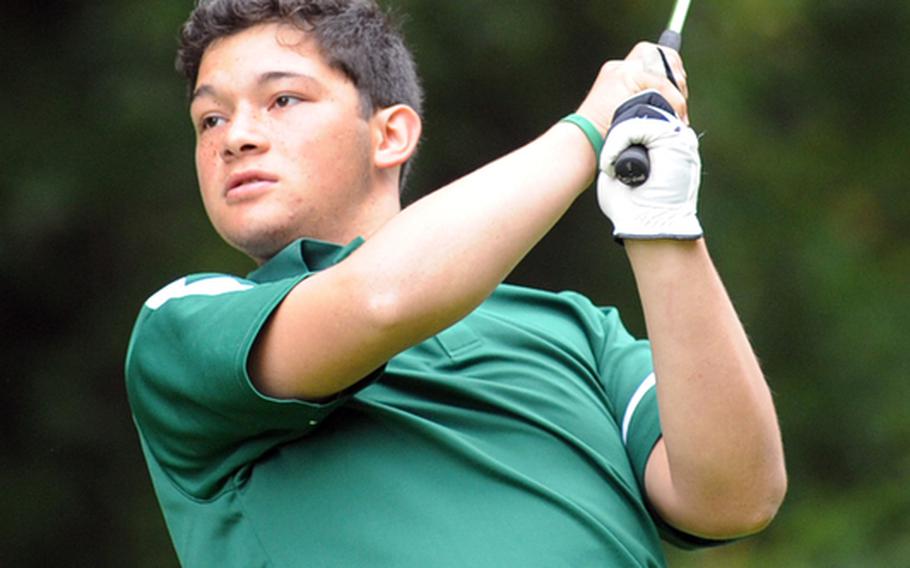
(803, 107)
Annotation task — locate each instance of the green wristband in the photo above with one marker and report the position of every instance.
(594, 137)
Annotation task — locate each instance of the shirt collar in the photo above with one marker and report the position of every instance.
(303, 257)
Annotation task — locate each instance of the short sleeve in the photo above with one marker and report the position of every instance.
(189, 389)
(627, 374)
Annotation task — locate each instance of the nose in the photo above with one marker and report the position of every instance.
(245, 135)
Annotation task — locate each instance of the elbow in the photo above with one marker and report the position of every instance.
(385, 311)
(378, 303)
(757, 517)
(769, 493)
(771, 498)
(404, 315)
(754, 510)
(394, 319)
(739, 510)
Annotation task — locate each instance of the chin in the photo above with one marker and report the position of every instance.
(261, 245)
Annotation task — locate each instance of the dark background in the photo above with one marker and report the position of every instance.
(803, 107)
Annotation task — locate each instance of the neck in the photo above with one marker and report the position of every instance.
(342, 227)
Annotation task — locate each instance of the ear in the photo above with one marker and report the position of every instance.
(396, 131)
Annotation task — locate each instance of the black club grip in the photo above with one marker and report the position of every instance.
(633, 166)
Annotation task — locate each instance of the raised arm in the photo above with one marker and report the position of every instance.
(719, 470)
(437, 260)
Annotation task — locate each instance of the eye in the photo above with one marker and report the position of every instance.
(210, 121)
(284, 101)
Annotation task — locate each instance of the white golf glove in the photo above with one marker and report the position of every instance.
(664, 207)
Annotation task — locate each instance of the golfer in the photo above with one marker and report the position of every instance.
(371, 394)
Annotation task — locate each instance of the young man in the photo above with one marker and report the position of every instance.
(372, 395)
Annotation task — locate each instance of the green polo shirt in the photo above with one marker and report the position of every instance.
(517, 437)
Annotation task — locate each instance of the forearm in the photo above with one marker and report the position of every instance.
(444, 254)
(478, 228)
(723, 447)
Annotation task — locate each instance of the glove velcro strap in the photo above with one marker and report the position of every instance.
(644, 105)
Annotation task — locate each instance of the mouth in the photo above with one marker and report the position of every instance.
(250, 182)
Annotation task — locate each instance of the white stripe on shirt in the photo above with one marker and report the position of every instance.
(649, 383)
(208, 287)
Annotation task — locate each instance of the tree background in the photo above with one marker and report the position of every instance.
(803, 106)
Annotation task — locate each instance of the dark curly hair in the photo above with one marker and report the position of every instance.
(356, 37)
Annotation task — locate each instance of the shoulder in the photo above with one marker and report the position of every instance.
(203, 313)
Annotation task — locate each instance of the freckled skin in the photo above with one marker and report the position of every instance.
(266, 101)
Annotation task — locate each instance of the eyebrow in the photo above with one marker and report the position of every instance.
(263, 79)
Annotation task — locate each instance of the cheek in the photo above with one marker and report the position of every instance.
(205, 164)
(291, 144)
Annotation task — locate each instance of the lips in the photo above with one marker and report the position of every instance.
(247, 182)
